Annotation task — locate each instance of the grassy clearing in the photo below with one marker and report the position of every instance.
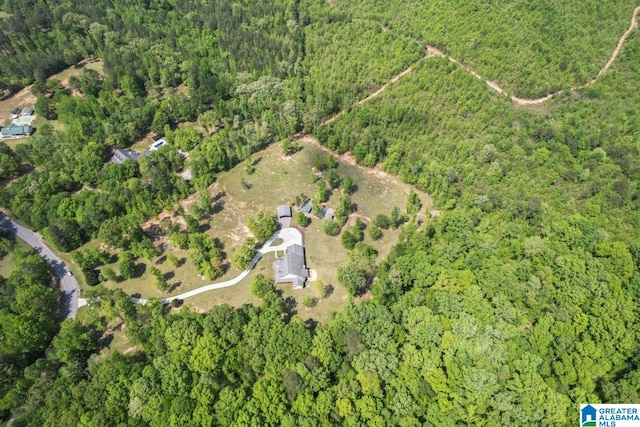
(25, 98)
(276, 179)
(6, 262)
(75, 70)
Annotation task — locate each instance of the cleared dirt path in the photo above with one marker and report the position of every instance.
(634, 24)
(434, 51)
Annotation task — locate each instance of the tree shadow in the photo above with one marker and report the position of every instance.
(218, 196)
(172, 287)
(181, 262)
(256, 161)
(169, 275)
(161, 260)
(218, 244)
(154, 231)
(311, 325)
(177, 303)
(329, 290)
(204, 228)
(140, 270)
(105, 339)
(217, 207)
(289, 305)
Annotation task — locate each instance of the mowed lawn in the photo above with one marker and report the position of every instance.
(239, 195)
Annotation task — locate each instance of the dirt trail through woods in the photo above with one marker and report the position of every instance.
(434, 51)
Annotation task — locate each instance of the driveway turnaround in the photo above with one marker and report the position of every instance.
(289, 237)
(33, 239)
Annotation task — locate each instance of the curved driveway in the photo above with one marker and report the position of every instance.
(289, 237)
(69, 283)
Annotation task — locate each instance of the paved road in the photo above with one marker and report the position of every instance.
(33, 239)
(289, 237)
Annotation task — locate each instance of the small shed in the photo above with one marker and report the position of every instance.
(328, 213)
(26, 111)
(306, 207)
(284, 211)
(284, 215)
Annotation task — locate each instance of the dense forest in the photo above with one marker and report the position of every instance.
(514, 305)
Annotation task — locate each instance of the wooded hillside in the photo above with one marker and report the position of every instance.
(515, 304)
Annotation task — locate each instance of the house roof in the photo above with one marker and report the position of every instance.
(26, 111)
(121, 156)
(306, 208)
(328, 213)
(284, 211)
(16, 111)
(291, 267)
(15, 130)
(156, 138)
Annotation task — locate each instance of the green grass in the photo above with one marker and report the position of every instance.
(6, 263)
(114, 339)
(75, 70)
(276, 180)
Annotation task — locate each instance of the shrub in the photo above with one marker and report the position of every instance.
(382, 221)
(331, 227)
(352, 236)
(375, 232)
(172, 260)
(262, 226)
(321, 289)
(179, 240)
(127, 265)
(309, 302)
(413, 204)
(302, 219)
(91, 276)
(193, 225)
(348, 186)
(353, 278)
(109, 274)
(242, 256)
(396, 219)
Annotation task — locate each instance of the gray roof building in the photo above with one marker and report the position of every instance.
(291, 268)
(284, 211)
(306, 208)
(328, 213)
(120, 156)
(26, 111)
(284, 215)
